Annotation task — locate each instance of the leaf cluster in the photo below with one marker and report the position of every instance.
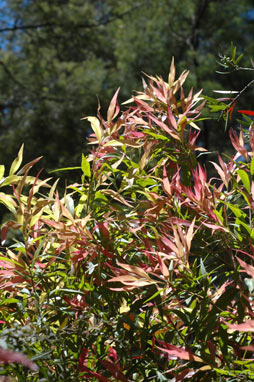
(144, 269)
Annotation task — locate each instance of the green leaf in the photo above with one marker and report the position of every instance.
(245, 179)
(219, 215)
(95, 125)
(10, 300)
(2, 168)
(161, 377)
(239, 58)
(60, 290)
(202, 268)
(81, 205)
(252, 166)
(12, 179)
(154, 295)
(225, 299)
(85, 167)
(17, 161)
(246, 226)
(37, 252)
(8, 202)
(236, 211)
(42, 355)
(65, 169)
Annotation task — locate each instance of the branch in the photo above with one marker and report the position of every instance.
(77, 26)
(241, 92)
(9, 73)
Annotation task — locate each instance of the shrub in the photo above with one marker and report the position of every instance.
(143, 271)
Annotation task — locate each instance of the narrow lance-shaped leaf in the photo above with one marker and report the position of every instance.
(247, 112)
(247, 326)
(95, 124)
(113, 109)
(249, 269)
(2, 169)
(172, 73)
(17, 161)
(179, 352)
(245, 179)
(85, 166)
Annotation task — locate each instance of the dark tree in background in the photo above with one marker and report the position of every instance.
(59, 56)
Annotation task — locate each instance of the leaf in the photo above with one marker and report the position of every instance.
(95, 124)
(237, 211)
(113, 369)
(171, 119)
(202, 268)
(17, 161)
(131, 281)
(247, 112)
(2, 169)
(117, 196)
(113, 142)
(251, 139)
(226, 91)
(85, 166)
(37, 252)
(249, 269)
(124, 308)
(132, 268)
(8, 356)
(144, 97)
(245, 179)
(249, 283)
(172, 73)
(113, 107)
(8, 202)
(65, 169)
(247, 326)
(190, 234)
(178, 352)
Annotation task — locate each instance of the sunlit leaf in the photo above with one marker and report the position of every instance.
(95, 124)
(17, 162)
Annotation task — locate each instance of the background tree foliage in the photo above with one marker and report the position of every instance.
(58, 56)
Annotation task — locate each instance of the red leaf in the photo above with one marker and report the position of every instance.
(114, 370)
(7, 356)
(94, 374)
(247, 112)
(230, 110)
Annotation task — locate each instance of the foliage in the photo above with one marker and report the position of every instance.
(143, 271)
(57, 57)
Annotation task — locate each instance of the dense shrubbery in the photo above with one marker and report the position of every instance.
(142, 272)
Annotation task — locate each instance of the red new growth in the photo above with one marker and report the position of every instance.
(247, 112)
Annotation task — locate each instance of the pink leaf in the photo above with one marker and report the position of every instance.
(171, 119)
(176, 351)
(113, 109)
(251, 136)
(247, 326)
(164, 127)
(7, 356)
(166, 184)
(249, 269)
